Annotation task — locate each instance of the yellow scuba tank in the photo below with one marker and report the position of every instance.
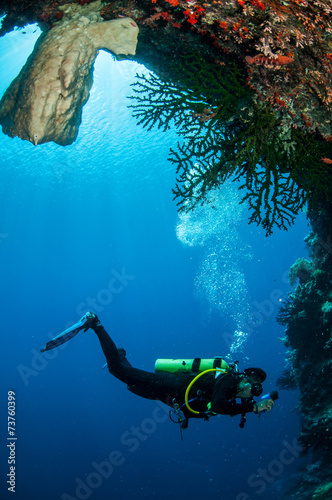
(196, 365)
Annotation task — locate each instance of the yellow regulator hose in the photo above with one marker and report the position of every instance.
(193, 382)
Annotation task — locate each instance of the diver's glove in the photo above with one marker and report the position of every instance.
(265, 405)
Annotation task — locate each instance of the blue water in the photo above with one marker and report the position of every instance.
(93, 226)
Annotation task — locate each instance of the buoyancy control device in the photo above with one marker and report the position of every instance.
(196, 367)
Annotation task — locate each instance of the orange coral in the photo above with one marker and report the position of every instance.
(174, 3)
(327, 161)
(258, 3)
(191, 16)
(223, 25)
(269, 61)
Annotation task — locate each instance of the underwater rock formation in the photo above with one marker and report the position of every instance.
(44, 103)
(307, 315)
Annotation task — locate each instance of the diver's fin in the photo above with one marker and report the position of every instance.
(73, 330)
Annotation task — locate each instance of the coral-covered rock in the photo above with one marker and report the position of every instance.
(307, 315)
(323, 492)
(44, 103)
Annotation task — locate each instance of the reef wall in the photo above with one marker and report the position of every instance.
(307, 316)
(44, 103)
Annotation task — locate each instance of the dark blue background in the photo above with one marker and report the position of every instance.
(69, 218)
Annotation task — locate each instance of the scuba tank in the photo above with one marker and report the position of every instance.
(196, 365)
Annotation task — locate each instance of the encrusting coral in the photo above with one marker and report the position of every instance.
(323, 492)
(301, 270)
(306, 314)
(44, 103)
(286, 46)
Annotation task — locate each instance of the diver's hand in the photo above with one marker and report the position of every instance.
(265, 405)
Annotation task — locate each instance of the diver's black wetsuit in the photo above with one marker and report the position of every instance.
(166, 387)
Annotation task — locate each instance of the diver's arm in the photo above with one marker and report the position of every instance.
(222, 399)
(231, 408)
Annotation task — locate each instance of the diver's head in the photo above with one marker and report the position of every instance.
(250, 384)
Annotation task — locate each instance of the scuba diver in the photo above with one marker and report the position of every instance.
(192, 388)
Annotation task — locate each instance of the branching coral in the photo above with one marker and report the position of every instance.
(249, 155)
(287, 380)
(229, 134)
(286, 311)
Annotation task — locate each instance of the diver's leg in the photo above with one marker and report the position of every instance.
(122, 357)
(145, 384)
(109, 348)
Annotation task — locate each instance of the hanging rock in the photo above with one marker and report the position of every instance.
(44, 102)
